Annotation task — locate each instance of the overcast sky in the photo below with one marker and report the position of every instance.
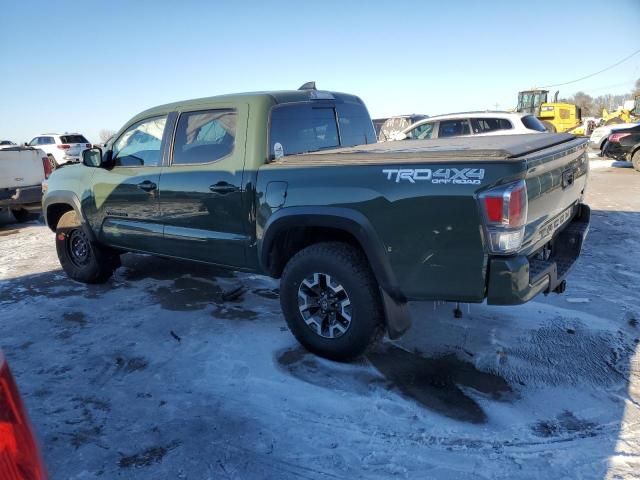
(83, 66)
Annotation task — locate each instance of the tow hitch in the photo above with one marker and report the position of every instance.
(562, 286)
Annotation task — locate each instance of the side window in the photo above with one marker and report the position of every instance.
(46, 141)
(453, 128)
(34, 142)
(204, 137)
(140, 144)
(422, 132)
(355, 124)
(302, 128)
(484, 125)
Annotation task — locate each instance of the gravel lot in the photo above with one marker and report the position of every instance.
(164, 373)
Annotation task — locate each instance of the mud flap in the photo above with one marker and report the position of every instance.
(397, 315)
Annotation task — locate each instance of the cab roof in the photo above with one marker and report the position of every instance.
(268, 97)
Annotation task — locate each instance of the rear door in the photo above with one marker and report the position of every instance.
(453, 128)
(201, 200)
(126, 204)
(490, 126)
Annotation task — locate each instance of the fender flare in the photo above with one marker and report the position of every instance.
(355, 223)
(69, 198)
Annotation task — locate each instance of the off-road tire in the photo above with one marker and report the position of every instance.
(96, 266)
(635, 160)
(21, 215)
(348, 266)
(549, 126)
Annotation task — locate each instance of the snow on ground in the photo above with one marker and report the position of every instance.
(161, 373)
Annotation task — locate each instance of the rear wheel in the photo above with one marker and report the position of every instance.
(549, 126)
(331, 301)
(635, 159)
(81, 259)
(21, 215)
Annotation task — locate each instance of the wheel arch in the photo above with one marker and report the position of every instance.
(323, 224)
(57, 204)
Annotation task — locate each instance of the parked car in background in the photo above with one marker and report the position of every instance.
(6, 144)
(600, 134)
(624, 144)
(472, 123)
(19, 454)
(22, 170)
(61, 148)
(386, 128)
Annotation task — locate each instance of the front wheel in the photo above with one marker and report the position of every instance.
(81, 259)
(331, 301)
(21, 215)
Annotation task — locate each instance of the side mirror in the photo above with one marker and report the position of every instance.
(92, 157)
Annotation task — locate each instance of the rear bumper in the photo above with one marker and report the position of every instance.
(23, 197)
(615, 150)
(516, 280)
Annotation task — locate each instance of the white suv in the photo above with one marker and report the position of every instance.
(62, 148)
(472, 123)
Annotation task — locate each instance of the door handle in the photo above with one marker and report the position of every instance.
(147, 186)
(223, 188)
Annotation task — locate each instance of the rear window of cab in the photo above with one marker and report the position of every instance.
(313, 126)
(73, 139)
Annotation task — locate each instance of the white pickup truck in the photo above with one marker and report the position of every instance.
(22, 170)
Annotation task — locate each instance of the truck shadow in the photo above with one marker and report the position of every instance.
(441, 384)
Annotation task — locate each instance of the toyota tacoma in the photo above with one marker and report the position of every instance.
(292, 184)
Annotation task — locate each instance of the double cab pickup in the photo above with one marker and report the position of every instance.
(292, 184)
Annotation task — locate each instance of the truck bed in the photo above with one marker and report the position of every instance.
(495, 148)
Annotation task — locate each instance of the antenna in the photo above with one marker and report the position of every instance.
(308, 86)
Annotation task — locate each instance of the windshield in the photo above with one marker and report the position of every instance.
(532, 123)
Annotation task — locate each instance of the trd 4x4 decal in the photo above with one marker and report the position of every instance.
(457, 176)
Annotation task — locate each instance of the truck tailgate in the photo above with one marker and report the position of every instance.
(556, 179)
(20, 167)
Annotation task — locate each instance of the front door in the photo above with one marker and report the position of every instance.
(201, 195)
(126, 196)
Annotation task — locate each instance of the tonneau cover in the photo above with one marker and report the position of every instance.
(488, 148)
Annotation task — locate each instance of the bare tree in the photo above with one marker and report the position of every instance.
(585, 102)
(105, 134)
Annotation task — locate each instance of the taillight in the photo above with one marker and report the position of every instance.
(615, 137)
(48, 167)
(19, 456)
(64, 146)
(505, 216)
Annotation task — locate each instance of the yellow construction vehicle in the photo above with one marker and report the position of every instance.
(629, 113)
(556, 116)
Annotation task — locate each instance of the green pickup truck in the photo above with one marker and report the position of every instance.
(292, 184)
